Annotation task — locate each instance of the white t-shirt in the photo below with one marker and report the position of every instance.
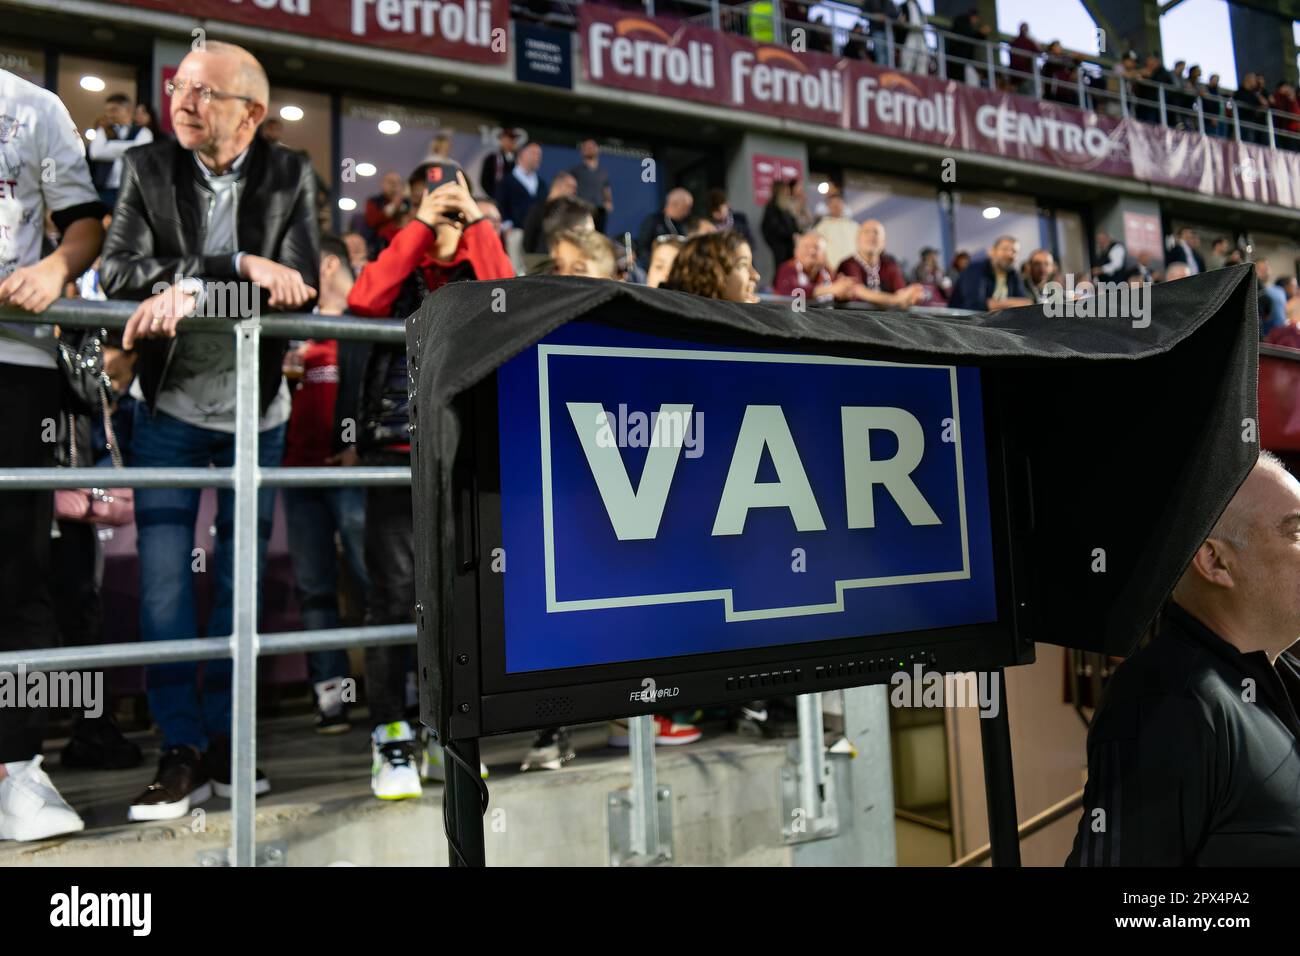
(103, 148)
(42, 169)
(841, 234)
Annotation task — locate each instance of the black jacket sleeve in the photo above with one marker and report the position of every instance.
(129, 265)
(300, 245)
(1153, 775)
(645, 238)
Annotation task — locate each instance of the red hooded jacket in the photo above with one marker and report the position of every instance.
(380, 282)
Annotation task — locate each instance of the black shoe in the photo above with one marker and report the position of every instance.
(333, 723)
(98, 744)
(181, 783)
(217, 763)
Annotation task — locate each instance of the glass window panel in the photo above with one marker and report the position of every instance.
(1209, 236)
(374, 153)
(305, 126)
(87, 105)
(979, 218)
(1279, 251)
(909, 211)
(1071, 243)
(23, 61)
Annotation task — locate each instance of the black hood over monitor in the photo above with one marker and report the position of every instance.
(1134, 439)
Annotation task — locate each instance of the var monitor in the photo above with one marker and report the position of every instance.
(665, 524)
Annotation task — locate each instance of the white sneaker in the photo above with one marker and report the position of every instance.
(431, 762)
(392, 770)
(550, 750)
(30, 806)
(331, 708)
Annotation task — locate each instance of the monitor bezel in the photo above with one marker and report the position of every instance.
(506, 702)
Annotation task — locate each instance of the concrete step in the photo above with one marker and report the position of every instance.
(726, 806)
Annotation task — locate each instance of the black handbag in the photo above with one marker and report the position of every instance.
(81, 362)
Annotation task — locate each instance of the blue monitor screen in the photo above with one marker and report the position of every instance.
(662, 498)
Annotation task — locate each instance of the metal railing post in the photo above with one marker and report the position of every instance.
(812, 756)
(1272, 131)
(943, 54)
(645, 796)
(1164, 110)
(649, 8)
(1123, 95)
(1200, 116)
(778, 23)
(243, 736)
(1078, 82)
(1038, 79)
(891, 50)
(989, 57)
(1236, 123)
(715, 15)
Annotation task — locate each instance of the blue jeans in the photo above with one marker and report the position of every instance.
(313, 516)
(164, 519)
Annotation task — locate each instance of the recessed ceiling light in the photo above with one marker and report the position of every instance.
(823, 188)
(92, 83)
(291, 113)
(389, 127)
(992, 212)
(90, 133)
(347, 205)
(366, 169)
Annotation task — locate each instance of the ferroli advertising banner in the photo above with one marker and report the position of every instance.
(667, 58)
(476, 30)
(651, 55)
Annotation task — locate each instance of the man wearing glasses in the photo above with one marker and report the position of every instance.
(219, 221)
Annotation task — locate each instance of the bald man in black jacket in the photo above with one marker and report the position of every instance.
(1194, 753)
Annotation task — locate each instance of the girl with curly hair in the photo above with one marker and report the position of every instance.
(718, 265)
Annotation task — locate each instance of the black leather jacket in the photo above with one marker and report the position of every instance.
(158, 232)
(385, 387)
(385, 391)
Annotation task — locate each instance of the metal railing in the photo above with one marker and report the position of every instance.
(1039, 821)
(1075, 79)
(244, 645)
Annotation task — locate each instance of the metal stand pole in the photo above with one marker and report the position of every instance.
(243, 731)
(645, 798)
(1000, 782)
(812, 756)
(464, 807)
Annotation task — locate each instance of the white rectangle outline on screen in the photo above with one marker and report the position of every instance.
(725, 594)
